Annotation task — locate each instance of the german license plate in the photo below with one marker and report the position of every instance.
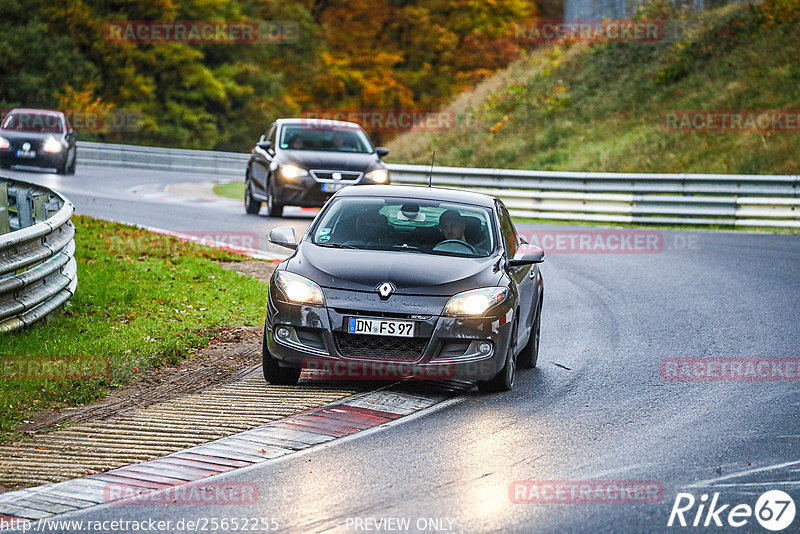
(29, 154)
(380, 327)
(331, 188)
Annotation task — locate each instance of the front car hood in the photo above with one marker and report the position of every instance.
(332, 161)
(410, 273)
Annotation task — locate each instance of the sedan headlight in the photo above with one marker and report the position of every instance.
(475, 302)
(52, 145)
(4, 143)
(293, 171)
(299, 289)
(379, 176)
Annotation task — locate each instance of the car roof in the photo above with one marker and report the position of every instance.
(418, 192)
(319, 123)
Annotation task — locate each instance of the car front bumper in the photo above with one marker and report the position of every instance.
(42, 159)
(308, 192)
(443, 348)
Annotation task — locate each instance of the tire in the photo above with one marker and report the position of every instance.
(273, 208)
(504, 380)
(71, 168)
(251, 205)
(274, 373)
(529, 355)
(62, 169)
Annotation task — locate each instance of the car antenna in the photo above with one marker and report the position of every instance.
(430, 174)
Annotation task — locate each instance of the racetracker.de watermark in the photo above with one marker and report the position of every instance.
(192, 494)
(586, 492)
(622, 241)
(730, 369)
(588, 31)
(201, 32)
(81, 120)
(730, 121)
(55, 368)
(384, 120)
(319, 369)
(242, 242)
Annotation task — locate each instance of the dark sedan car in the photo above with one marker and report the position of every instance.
(405, 281)
(39, 138)
(303, 162)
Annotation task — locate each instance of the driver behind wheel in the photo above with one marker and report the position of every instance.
(452, 225)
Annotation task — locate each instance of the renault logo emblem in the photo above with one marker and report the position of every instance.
(385, 289)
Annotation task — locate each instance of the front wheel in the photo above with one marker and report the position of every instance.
(251, 205)
(274, 373)
(71, 167)
(529, 355)
(504, 380)
(273, 208)
(62, 168)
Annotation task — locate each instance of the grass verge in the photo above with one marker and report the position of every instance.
(234, 190)
(143, 300)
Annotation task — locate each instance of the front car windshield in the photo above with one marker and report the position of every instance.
(314, 137)
(407, 225)
(34, 122)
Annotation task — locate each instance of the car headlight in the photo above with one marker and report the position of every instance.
(293, 171)
(52, 145)
(379, 176)
(4, 143)
(299, 289)
(476, 301)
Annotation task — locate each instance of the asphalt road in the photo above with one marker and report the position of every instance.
(596, 409)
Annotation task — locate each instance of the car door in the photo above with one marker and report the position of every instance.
(260, 162)
(524, 276)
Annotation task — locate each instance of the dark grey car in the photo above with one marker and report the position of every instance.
(303, 162)
(37, 137)
(380, 287)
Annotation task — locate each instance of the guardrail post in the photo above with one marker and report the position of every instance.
(39, 213)
(24, 207)
(5, 223)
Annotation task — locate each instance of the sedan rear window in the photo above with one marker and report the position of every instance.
(406, 225)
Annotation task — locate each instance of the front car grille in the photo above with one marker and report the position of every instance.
(345, 176)
(389, 347)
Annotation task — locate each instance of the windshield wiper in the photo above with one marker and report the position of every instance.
(335, 245)
(407, 248)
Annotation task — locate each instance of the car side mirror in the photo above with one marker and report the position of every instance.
(527, 255)
(283, 236)
(264, 145)
(382, 151)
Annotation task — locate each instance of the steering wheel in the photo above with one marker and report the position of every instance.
(454, 242)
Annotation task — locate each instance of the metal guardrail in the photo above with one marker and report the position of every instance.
(38, 272)
(642, 198)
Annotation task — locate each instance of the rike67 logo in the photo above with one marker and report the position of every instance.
(774, 510)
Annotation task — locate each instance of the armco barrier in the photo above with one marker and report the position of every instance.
(38, 272)
(697, 199)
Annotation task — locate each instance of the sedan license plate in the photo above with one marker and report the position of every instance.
(29, 154)
(380, 327)
(331, 188)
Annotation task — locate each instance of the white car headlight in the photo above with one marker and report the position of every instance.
(4, 143)
(52, 145)
(299, 289)
(293, 171)
(379, 176)
(475, 302)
